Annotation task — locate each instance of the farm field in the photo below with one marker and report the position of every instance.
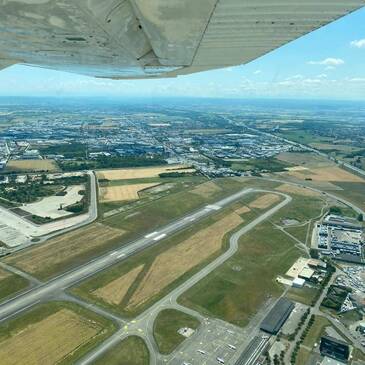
(51, 333)
(131, 351)
(140, 173)
(123, 192)
(62, 252)
(264, 201)
(166, 327)
(10, 284)
(236, 290)
(186, 251)
(31, 165)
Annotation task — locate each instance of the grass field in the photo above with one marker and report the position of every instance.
(354, 192)
(187, 252)
(10, 284)
(123, 192)
(166, 327)
(51, 333)
(308, 159)
(31, 165)
(62, 252)
(303, 295)
(316, 331)
(141, 172)
(264, 201)
(161, 211)
(131, 351)
(236, 290)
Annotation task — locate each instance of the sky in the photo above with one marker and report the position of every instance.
(328, 63)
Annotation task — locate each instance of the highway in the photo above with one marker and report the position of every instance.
(72, 277)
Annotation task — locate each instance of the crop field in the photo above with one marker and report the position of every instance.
(31, 165)
(264, 201)
(140, 173)
(332, 173)
(235, 291)
(186, 252)
(166, 327)
(309, 160)
(131, 351)
(10, 284)
(123, 192)
(60, 253)
(51, 334)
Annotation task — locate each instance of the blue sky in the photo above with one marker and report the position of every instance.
(326, 64)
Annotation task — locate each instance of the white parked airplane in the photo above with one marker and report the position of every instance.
(154, 38)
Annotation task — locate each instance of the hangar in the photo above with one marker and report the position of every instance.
(277, 316)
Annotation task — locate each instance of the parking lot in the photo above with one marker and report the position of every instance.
(214, 340)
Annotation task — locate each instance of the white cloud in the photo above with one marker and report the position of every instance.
(257, 72)
(360, 43)
(330, 62)
(322, 76)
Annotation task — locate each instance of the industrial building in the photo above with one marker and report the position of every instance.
(277, 316)
(334, 348)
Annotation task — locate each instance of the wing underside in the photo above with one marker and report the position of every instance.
(154, 38)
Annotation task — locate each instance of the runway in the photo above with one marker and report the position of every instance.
(72, 277)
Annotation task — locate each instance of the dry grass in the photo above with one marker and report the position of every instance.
(327, 174)
(139, 173)
(4, 274)
(243, 210)
(292, 189)
(115, 291)
(31, 165)
(123, 192)
(206, 190)
(264, 201)
(61, 249)
(179, 259)
(49, 341)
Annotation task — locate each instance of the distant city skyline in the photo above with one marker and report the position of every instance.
(326, 64)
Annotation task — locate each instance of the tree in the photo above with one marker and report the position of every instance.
(360, 217)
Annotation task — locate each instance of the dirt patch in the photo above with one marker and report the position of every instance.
(327, 174)
(31, 165)
(264, 201)
(62, 249)
(178, 260)
(115, 291)
(140, 173)
(292, 189)
(123, 192)
(243, 210)
(207, 189)
(49, 341)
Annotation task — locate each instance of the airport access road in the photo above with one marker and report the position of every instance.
(142, 325)
(72, 277)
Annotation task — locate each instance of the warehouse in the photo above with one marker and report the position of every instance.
(277, 316)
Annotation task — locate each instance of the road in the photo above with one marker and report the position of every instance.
(72, 277)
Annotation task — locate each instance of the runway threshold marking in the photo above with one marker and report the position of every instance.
(150, 234)
(121, 255)
(160, 237)
(213, 207)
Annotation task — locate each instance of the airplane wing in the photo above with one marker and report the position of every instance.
(121, 39)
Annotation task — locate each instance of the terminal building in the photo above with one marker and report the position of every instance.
(342, 238)
(277, 316)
